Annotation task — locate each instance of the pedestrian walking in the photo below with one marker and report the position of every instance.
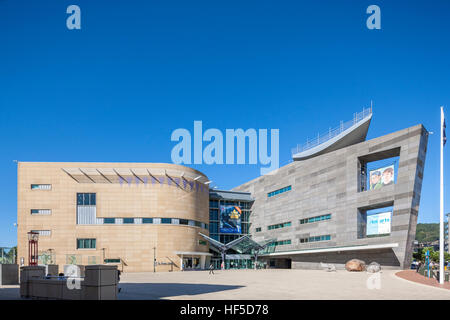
(211, 269)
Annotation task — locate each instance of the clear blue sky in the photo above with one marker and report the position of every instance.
(116, 89)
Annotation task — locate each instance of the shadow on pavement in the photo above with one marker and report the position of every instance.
(156, 291)
(9, 294)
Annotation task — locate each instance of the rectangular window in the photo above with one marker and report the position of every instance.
(258, 229)
(112, 260)
(147, 220)
(316, 239)
(128, 220)
(41, 211)
(166, 220)
(184, 221)
(86, 243)
(279, 225)
(41, 187)
(44, 233)
(280, 243)
(213, 214)
(109, 220)
(315, 219)
(213, 203)
(86, 199)
(279, 191)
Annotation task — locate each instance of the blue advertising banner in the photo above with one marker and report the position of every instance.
(230, 219)
(379, 224)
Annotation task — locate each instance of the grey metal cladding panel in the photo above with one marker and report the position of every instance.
(396, 140)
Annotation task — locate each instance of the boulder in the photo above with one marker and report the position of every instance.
(355, 265)
(373, 267)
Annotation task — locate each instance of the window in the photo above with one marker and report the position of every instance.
(316, 219)
(166, 220)
(213, 214)
(147, 220)
(280, 225)
(316, 239)
(184, 221)
(282, 190)
(112, 260)
(128, 220)
(86, 243)
(213, 203)
(86, 199)
(41, 211)
(258, 229)
(280, 243)
(45, 233)
(41, 187)
(109, 220)
(214, 227)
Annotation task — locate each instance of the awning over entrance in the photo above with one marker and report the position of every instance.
(243, 244)
(333, 249)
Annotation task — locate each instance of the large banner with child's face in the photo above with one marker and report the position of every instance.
(381, 177)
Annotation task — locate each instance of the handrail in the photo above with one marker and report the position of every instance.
(331, 133)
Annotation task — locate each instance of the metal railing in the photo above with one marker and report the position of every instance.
(331, 133)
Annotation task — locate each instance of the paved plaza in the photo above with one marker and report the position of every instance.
(269, 284)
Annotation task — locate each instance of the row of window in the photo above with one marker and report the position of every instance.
(316, 239)
(279, 225)
(41, 211)
(302, 221)
(240, 204)
(186, 222)
(92, 244)
(282, 190)
(41, 187)
(45, 233)
(316, 219)
(280, 243)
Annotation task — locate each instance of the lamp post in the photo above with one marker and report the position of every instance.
(33, 238)
(154, 259)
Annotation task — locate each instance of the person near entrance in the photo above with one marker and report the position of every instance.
(211, 269)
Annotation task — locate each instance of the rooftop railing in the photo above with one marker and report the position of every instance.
(331, 133)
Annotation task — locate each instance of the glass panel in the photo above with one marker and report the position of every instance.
(147, 220)
(79, 199)
(128, 220)
(166, 220)
(109, 220)
(93, 199)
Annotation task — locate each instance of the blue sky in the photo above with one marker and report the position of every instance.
(137, 70)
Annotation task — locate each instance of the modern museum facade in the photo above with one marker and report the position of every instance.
(341, 197)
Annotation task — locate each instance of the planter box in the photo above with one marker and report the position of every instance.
(9, 274)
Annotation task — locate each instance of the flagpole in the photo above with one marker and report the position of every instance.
(441, 226)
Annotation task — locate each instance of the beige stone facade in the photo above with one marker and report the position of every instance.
(164, 192)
